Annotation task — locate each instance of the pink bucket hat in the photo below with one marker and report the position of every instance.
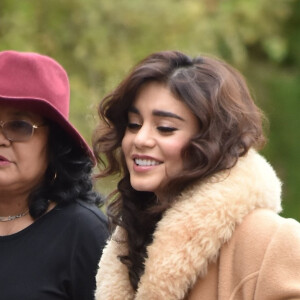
(38, 83)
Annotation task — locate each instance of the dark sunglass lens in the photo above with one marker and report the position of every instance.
(18, 130)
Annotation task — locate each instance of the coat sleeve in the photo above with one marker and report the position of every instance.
(279, 276)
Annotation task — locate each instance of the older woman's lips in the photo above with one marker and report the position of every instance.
(4, 161)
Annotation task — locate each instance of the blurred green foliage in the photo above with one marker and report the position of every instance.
(98, 41)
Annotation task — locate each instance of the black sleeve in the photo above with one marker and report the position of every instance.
(85, 258)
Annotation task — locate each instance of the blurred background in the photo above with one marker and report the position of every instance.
(98, 41)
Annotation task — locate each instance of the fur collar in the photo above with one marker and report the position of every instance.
(191, 233)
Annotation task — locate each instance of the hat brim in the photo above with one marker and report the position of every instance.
(44, 108)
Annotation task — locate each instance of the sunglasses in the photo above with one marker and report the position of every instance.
(18, 131)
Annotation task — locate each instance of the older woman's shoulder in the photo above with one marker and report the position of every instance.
(82, 207)
(83, 217)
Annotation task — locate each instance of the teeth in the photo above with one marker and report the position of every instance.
(146, 162)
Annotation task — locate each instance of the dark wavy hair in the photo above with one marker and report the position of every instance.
(68, 176)
(230, 123)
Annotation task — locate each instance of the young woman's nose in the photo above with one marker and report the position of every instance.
(144, 137)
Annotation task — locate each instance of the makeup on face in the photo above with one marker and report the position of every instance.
(159, 127)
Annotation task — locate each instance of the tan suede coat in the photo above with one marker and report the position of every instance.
(222, 239)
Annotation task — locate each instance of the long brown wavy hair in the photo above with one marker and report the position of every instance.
(229, 121)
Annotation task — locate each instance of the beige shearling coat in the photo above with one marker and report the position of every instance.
(222, 239)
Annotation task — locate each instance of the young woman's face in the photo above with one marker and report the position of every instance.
(22, 164)
(159, 127)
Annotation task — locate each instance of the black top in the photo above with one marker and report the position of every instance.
(56, 257)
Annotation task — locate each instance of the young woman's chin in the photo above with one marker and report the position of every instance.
(147, 186)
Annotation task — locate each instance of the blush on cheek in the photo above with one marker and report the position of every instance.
(174, 151)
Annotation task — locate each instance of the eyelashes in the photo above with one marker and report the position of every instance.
(166, 129)
(134, 126)
(163, 129)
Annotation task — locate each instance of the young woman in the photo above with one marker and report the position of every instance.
(196, 210)
(51, 230)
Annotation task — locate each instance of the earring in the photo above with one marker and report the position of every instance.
(54, 178)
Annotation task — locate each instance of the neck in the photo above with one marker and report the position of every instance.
(15, 206)
(11, 206)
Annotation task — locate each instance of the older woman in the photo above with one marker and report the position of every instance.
(51, 229)
(197, 207)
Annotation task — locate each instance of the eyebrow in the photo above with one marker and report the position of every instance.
(159, 113)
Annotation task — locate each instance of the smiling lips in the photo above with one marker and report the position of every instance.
(145, 161)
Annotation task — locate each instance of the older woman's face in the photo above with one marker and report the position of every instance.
(159, 127)
(22, 164)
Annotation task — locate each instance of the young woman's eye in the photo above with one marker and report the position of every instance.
(166, 129)
(134, 126)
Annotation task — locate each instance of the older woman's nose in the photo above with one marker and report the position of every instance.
(3, 140)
